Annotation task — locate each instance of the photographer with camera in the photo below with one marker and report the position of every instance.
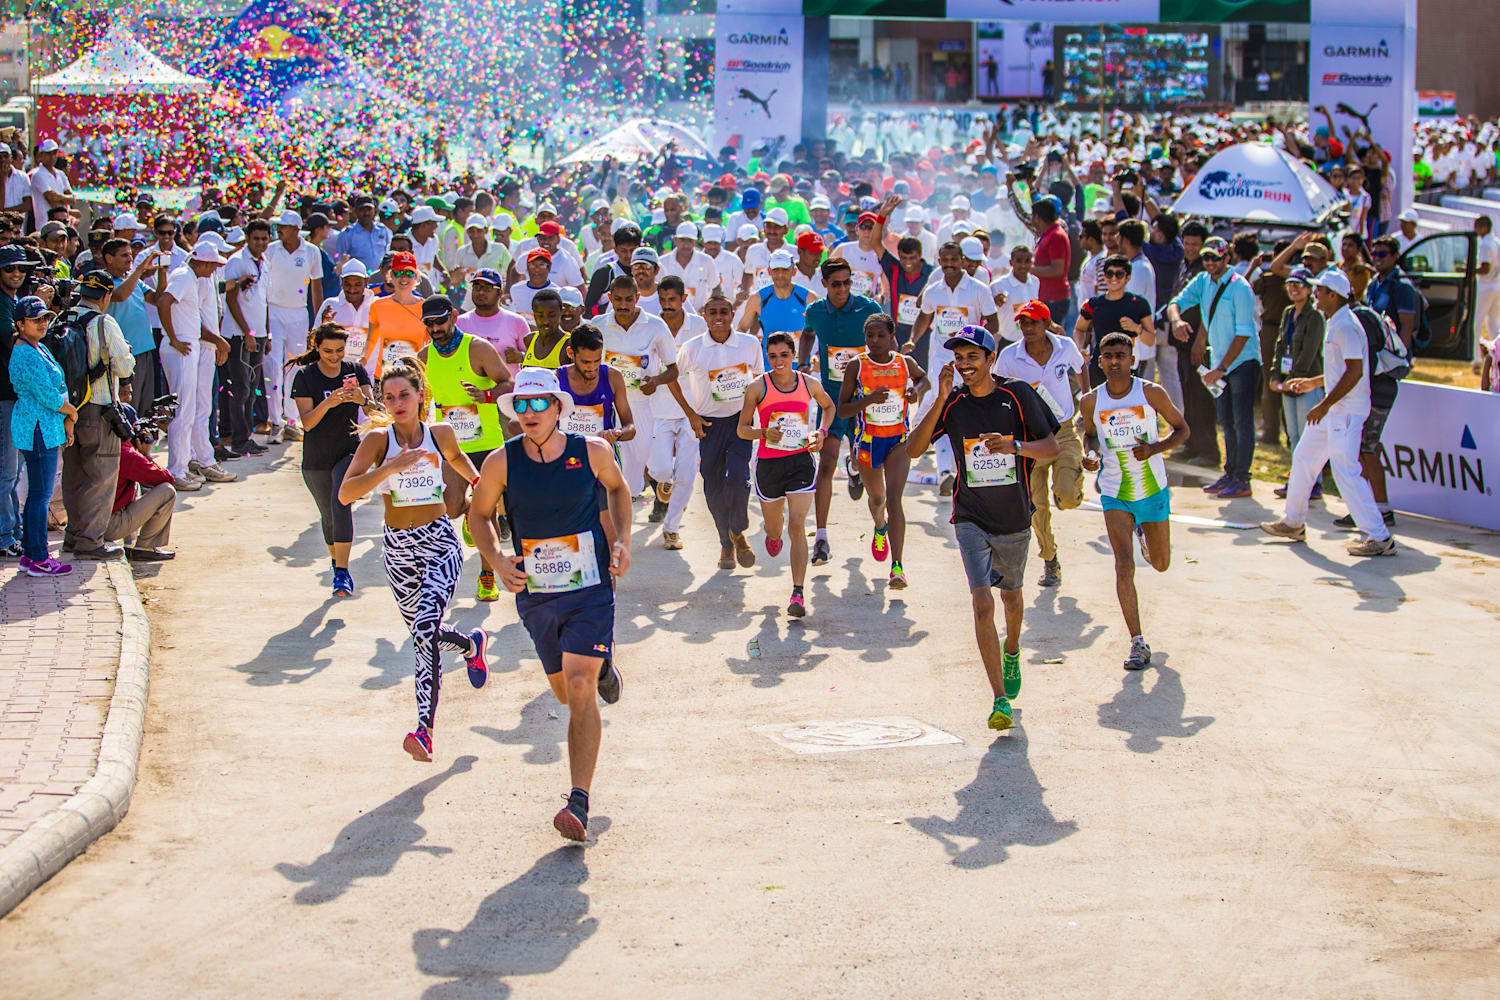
(142, 517)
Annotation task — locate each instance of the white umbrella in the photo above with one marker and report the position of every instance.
(1258, 182)
(640, 138)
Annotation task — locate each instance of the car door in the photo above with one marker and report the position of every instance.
(1442, 267)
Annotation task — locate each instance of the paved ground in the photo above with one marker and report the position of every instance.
(1297, 800)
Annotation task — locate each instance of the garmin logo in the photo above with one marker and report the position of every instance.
(1377, 51)
(1440, 468)
(752, 38)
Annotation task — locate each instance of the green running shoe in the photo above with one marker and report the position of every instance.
(1000, 715)
(1010, 672)
(468, 535)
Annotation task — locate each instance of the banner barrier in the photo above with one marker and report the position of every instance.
(1441, 453)
(757, 85)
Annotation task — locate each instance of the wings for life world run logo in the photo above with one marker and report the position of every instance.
(1223, 184)
(1366, 53)
(779, 40)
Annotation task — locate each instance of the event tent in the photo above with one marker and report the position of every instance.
(1258, 182)
(119, 64)
(641, 138)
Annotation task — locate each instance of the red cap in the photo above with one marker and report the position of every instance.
(810, 242)
(728, 181)
(539, 253)
(761, 176)
(871, 216)
(550, 228)
(924, 164)
(404, 261)
(1034, 309)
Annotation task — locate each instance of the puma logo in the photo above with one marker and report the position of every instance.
(764, 102)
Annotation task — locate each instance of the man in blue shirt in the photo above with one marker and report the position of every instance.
(366, 239)
(127, 305)
(1231, 337)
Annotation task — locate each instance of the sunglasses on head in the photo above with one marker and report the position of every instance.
(403, 274)
(536, 404)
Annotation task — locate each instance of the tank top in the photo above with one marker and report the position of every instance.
(791, 411)
(865, 268)
(1121, 424)
(477, 425)
(552, 359)
(887, 419)
(782, 315)
(593, 412)
(420, 485)
(553, 509)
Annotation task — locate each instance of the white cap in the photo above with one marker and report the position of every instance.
(289, 218)
(422, 214)
(235, 235)
(599, 203)
(972, 248)
(476, 221)
(915, 213)
(47, 146)
(125, 221)
(962, 228)
(388, 206)
(621, 223)
(214, 240)
(960, 203)
(645, 255)
(713, 233)
(571, 296)
(504, 222)
(1410, 215)
(778, 216)
(546, 206)
(748, 231)
(781, 258)
(207, 253)
(354, 269)
(686, 231)
(1334, 280)
(820, 202)
(536, 382)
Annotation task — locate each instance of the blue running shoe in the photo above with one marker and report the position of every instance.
(343, 583)
(478, 672)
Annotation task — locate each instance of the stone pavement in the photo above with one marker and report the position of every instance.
(60, 652)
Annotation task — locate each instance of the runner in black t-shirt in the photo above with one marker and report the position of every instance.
(998, 427)
(1116, 311)
(908, 273)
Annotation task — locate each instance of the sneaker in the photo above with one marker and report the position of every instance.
(743, 553)
(1216, 485)
(47, 567)
(773, 546)
(187, 484)
(465, 533)
(474, 662)
(572, 822)
(224, 453)
(293, 432)
(1234, 488)
(1279, 492)
(1000, 715)
(217, 474)
(880, 545)
(898, 577)
(487, 591)
(671, 540)
(195, 467)
(1370, 547)
(343, 583)
(1389, 517)
(1010, 672)
(658, 511)
(796, 607)
(1281, 529)
(726, 557)
(12, 551)
(24, 564)
(947, 485)
(856, 484)
(255, 449)
(274, 437)
(820, 552)
(609, 682)
(419, 744)
(1346, 522)
(1140, 655)
(1051, 573)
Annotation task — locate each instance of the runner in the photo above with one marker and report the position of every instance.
(720, 366)
(600, 408)
(1000, 427)
(673, 459)
(396, 320)
(780, 402)
(908, 274)
(504, 330)
(877, 389)
(400, 457)
(329, 393)
(350, 309)
(835, 326)
(780, 305)
(1132, 480)
(548, 346)
(465, 375)
(640, 347)
(563, 569)
(1048, 361)
(863, 253)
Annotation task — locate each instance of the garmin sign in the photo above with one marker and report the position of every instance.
(1441, 453)
(1378, 51)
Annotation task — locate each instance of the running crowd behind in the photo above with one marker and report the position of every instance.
(530, 354)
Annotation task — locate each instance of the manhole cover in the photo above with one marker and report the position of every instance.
(855, 734)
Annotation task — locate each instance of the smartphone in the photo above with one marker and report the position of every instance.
(351, 382)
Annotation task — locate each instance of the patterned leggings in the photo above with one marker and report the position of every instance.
(423, 565)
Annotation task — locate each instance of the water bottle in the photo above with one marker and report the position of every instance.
(1215, 389)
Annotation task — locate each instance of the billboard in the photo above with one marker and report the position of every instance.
(1010, 58)
(757, 84)
(1441, 453)
(1360, 70)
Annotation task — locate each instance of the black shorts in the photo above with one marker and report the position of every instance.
(783, 475)
(581, 622)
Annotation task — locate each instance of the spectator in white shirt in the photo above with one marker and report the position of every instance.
(49, 186)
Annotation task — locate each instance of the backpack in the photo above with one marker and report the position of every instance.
(1387, 354)
(68, 340)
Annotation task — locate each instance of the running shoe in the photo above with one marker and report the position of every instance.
(609, 682)
(1368, 547)
(671, 540)
(1010, 672)
(743, 552)
(487, 590)
(474, 662)
(880, 545)
(1235, 488)
(187, 484)
(658, 511)
(820, 552)
(1281, 529)
(255, 449)
(217, 474)
(504, 523)
(419, 744)
(293, 432)
(1216, 485)
(1051, 573)
(898, 577)
(1000, 715)
(1140, 655)
(51, 567)
(947, 485)
(343, 583)
(796, 607)
(856, 484)
(1279, 493)
(1347, 521)
(468, 535)
(274, 437)
(571, 822)
(12, 551)
(773, 546)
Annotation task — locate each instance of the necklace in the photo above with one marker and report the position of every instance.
(539, 447)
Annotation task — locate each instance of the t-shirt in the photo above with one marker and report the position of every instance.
(1054, 246)
(173, 259)
(252, 300)
(1052, 381)
(1344, 340)
(641, 350)
(333, 437)
(951, 310)
(1017, 294)
(186, 313)
(730, 270)
(840, 334)
(699, 275)
(131, 315)
(286, 273)
(503, 330)
(717, 375)
(1105, 314)
(42, 181)
(994, 491)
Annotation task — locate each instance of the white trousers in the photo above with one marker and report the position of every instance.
(190, 377)
(673, 458)
(940, 446)
(1336, 442)
(286, 335)
(635, 452)
(1486, 315)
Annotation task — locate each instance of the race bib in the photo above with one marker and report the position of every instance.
(392, 351)
(356, 345)
(632, 367)
(951, 319)
(891, 413)
(761, 277)
(983, 469)
(1049, 399)
(1123, 429)
(863, 282)
(463, 419)
(838, 359)
(558, 565)
(420, 485)
(907, 310)
(585, 420)
(729, 384)
(794, 432)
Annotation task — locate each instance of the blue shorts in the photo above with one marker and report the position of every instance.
(842, 427)
(1156, 507)
(581, 622)
(872, 451)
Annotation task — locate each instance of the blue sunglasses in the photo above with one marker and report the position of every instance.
(535, 405)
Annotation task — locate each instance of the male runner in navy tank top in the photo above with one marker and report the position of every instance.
(563, 568)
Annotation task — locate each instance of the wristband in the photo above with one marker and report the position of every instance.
(880, 219)
(474, 481)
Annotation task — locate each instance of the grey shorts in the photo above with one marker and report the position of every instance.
(1369, 438)
(992, 560)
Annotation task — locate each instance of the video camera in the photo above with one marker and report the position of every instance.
(142, 429)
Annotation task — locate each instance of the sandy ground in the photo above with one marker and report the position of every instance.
(1298, 799)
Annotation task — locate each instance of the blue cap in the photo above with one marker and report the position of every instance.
(10, 255)
(1302, 275)
(972, 335)
(30, 307)
(489, 276)
(989, 168)
(901, 187)
(210, 222)
(751, 197)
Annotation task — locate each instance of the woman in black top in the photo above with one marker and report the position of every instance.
(329, 393)
(1116, 311)
(1298, 354)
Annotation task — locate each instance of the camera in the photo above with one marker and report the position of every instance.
(144, 428)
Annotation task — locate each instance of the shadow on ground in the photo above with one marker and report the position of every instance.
(1149, 715)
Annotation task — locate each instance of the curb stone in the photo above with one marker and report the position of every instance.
(64, 833)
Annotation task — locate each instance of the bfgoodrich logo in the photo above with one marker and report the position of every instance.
(754, 38)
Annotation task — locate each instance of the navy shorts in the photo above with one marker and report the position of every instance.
(581, 622)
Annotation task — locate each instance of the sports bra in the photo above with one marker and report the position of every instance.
(420, 485)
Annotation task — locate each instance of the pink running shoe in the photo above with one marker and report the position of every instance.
(773, 546)
(47, 567)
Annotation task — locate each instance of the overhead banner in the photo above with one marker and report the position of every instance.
(1220, 11)
(1361, 72)
(757, 85)
(1056, 11)
(1441, 452)
(1010, 58)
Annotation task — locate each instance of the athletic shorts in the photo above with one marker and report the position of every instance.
(872, 451)
(1369, 438)
(992, 560)
(784, 475)
(843, 427)
(581, 622)
(1156, 507)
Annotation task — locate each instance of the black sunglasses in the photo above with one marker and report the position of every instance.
(1380, 254)
(1115, 272)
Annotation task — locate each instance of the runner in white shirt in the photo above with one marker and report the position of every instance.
(425, 245)
(538, 266)
(809, 270)
(591, 237)
(351, 310)
(915, 219)
(293, 273)
(758, 255)
(1014, 289)
(639, 346)
(673, 458)
(695, 268)
(728, 267)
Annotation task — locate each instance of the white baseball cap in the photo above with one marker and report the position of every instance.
(713, 233)
(1410, 215)
(234, 236)
(422, 214)
(959, 204)
(781, 258)
(476, 221)
(214, 240)
(599, 204)
(962, 228)
(207, 253)
(388, 206)
(972, 248)
(536, 382)
(820, 202)
(546, 206)
(125, 221)
(289, 218)
(504, 222)
(915, 213)
(622, 223)
(571, 296)
(778, 216)
(748, 231)
(47, 146)
(354, 269)
(1334, 280)
(686, 231)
